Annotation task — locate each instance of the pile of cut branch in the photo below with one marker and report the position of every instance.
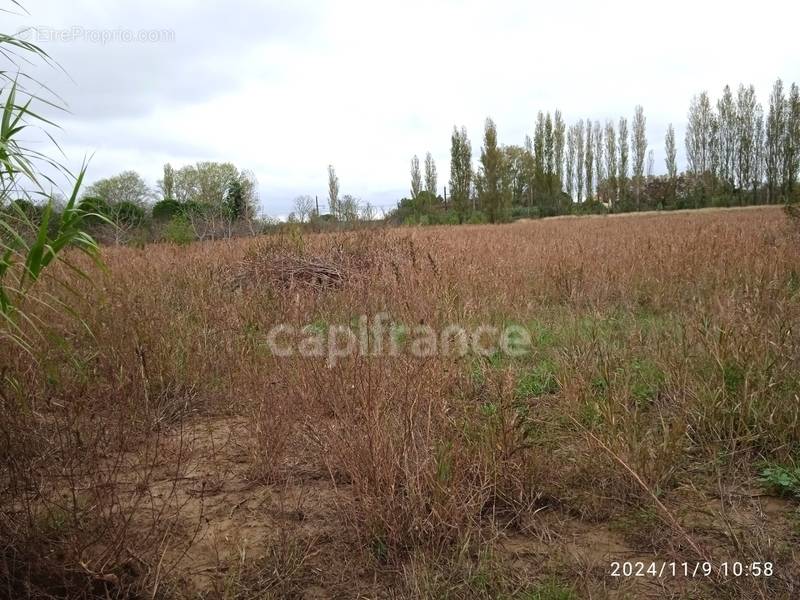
(313, 272)
(286, 271)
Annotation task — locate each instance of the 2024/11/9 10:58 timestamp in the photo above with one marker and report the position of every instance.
(691, 569)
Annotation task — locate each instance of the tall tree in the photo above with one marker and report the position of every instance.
(559, 129)
(791, 143)
(491, 192)
(716, 154)
(514, 173)
(599, 172)
(727, 138)
(588, 157)
(758, 152)
(333, 192)
(416, 178)
(549, 155)
(167, 184)
(746, 104)
(700, 139)
(530, 171)
(639, 151)
(460, 171)
(539, 162)
(569, 168)
(611, 162)
(579, 160)
(671, 162)
(623, 161)
(430, 175)
(776, 128)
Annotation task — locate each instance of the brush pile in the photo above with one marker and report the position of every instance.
(292, 271)
(326, 263)
(286, 271)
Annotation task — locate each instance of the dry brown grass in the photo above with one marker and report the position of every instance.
(181, 457)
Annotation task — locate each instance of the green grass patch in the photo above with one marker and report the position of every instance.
(539, 381)
(548, 590)
(544, 335)
(733, 376)
(590, 414)
(647, 381)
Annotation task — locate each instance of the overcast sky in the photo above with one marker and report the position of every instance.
(285, 88)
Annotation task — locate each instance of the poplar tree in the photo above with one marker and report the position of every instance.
(491, 192)
(539, 162)
(611, 161)
(670, 152)
(333, 192)
(430, 175)
(791, 143)
(589, 160)
(515, 173)
(460, 171)
(758, 151)
(726, 140)
(671, 162)
(623, 160)
(559, 132)
(416, 178)
(530, 171)
(716, 154)
(699, 135)
(639, 151)
(549, 155)
(569, 167)
(745, 135)
(775, 130)
(168, 183)
(598, 156)
(579, 160)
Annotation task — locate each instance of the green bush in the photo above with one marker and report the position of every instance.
(167, 209)
(449, 218)
(524, 212)
(179, 231)
(722, 201)
(590, 207)
(477, 218)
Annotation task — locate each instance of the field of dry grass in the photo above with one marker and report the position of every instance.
(159, 449)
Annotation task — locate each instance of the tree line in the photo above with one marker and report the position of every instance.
(736, 153)
(344, 209)
(199, 201)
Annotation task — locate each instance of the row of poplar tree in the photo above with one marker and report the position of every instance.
(736, 153)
